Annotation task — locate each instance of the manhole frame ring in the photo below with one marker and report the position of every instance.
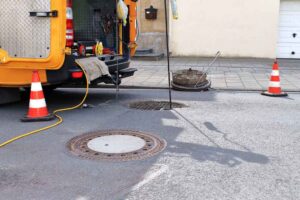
(175, 104)
(160, 146)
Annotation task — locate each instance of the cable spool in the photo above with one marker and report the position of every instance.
(89, 50)
(82, 50)
(107, 51)
(94, 49)
(98, 49)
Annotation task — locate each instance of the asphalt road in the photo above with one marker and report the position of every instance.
(224, 145)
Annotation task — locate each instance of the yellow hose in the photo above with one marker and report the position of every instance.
(60, 119)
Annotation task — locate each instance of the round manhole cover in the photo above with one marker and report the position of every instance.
(155, 105)
(116, 145)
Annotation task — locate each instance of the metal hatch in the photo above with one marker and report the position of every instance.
(23, 36)
(31, 32)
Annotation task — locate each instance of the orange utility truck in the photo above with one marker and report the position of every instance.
(49, 35)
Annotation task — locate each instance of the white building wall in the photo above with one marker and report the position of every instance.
(237, 28)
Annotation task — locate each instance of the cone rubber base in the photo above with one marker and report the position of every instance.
(38, 119)
(283, 94)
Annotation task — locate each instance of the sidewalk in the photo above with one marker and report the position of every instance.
(231, 74)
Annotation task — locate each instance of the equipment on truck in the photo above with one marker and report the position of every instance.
(122, 11)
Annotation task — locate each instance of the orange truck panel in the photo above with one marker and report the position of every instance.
(18, 77)
(57, 48)
(18, 71)
(132, 21)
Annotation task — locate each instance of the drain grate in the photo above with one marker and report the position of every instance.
(155, 105)
(116, 145)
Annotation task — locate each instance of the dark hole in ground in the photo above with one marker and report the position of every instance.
(155, 105)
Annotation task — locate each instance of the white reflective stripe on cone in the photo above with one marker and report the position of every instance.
(275, 73)
(274, 84)
(39, 103)
(36, 87)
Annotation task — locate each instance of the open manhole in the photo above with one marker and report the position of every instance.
(116, 145)
(154, 105)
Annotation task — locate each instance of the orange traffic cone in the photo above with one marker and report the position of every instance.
(274, 85)
(37, 107)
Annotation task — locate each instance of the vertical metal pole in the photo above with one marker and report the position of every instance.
(117, 52)
(168, 53)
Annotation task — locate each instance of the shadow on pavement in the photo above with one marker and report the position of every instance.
(223, 156)
(216, 153)
(211, 127)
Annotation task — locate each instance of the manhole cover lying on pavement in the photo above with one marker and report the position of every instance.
(116, 145)
(155, 105)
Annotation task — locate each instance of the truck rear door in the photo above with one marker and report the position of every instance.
(32, 34)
